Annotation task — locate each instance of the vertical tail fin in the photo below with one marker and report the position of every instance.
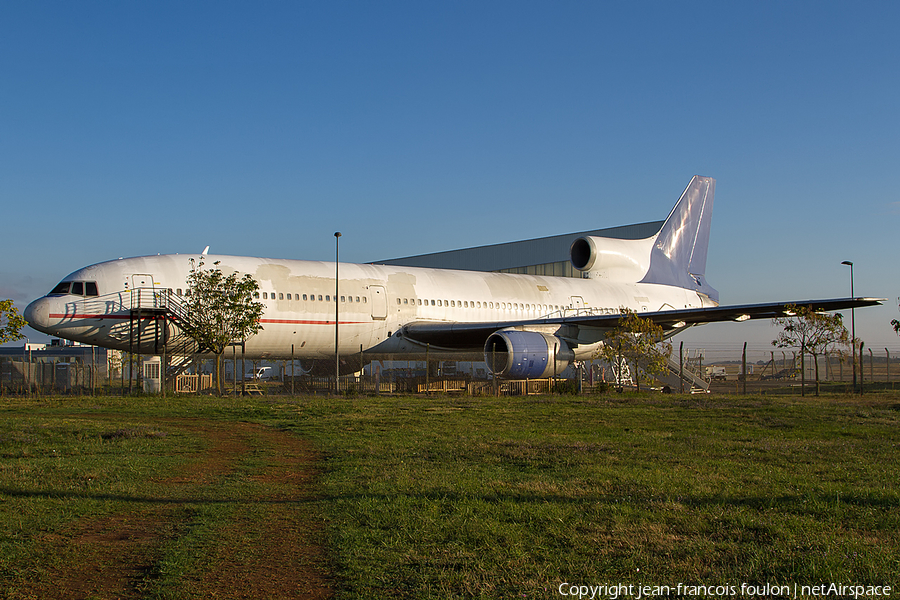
(678, 256)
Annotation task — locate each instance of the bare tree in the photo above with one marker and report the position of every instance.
(221, 310)
(639, 341)
(813, 332)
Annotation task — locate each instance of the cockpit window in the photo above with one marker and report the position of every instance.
(77, 288)
(61, 288)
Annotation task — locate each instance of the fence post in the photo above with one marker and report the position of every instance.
(861, 345)
(871, 366)
(427, 369)
(744, 368)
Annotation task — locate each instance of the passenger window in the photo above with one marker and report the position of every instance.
(256, 294)
(320, 297)
(343, 299)
(280, 295)
(289, 296)
(78, 288)
(304, 296)
(90, 288)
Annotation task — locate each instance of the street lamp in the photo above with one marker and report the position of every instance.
(337, 305)
(26, 354)
(852, 322)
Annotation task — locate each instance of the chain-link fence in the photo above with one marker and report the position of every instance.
(88, 370)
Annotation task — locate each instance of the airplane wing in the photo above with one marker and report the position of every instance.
(455, 335)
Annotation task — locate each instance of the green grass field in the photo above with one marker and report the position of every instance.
(454, 497)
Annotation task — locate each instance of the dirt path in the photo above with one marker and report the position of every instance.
(115, 556)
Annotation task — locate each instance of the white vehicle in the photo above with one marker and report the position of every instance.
(716, 373)
(527, 326)
(262, 374)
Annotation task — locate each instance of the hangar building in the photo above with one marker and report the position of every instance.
(539, 256)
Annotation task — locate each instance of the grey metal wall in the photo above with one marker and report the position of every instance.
(515, 255)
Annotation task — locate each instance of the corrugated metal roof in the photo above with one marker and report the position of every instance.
(523, 253)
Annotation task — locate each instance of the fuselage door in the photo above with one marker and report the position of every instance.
(577, 302)
(142, 294)
(379, 302)
(141, 280)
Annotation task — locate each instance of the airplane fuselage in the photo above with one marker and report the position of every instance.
(372, 302)
(527, 326)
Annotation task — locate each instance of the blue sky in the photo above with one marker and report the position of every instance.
(412, 127)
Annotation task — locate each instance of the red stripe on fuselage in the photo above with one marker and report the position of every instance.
(151, 317)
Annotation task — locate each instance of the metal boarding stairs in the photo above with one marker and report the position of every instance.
(155, 315)
(672, 377)
(675, 374)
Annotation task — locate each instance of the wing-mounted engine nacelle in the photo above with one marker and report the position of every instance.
(325, 368)
(612, 258)
(514, 354)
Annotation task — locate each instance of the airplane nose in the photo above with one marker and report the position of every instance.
(38, 314)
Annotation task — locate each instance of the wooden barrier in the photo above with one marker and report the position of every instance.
(188, 384)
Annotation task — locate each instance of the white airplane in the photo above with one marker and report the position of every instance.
(527, 326)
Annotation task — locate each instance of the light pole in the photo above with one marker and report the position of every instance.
(26, 354)
(337, 357)
(852, 322)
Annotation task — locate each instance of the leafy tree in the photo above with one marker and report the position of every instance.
(640, 342)
(221, 310)
(896, 325)
(10, 322)
(813, 332)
